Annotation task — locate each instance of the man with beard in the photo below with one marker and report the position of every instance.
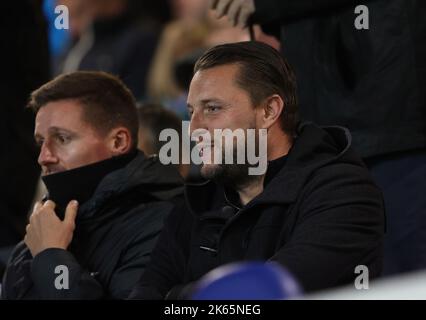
(94, 233)
(315, 211)
(354, 70)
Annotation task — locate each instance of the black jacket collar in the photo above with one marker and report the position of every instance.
(80, 183)
(142, 174)
(313, 147)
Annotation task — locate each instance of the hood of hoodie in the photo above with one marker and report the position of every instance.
(144, 176)
(313, 148)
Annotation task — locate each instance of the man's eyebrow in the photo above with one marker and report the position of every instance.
(214, 100)
(206, 101)
(55, 130)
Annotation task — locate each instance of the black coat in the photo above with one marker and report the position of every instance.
(370, 81)
(320, 216)
(116, 230)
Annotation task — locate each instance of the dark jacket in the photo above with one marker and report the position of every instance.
(370, 81)
(116, 230)
(320, 216)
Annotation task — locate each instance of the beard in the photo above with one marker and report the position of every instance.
(233, 175)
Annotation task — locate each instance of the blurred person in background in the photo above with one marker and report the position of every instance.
(184, 34)
(183, 40)
(152, 120)
(116, 36)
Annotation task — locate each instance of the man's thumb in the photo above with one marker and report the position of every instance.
(71, 211)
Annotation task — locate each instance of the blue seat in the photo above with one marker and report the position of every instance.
(247, 281)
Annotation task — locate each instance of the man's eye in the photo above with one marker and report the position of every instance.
(62, 139)
(211, 109)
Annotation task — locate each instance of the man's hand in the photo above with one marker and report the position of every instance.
(238, 11)
(46, 230)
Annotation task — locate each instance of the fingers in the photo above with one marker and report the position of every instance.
(27, 231)
(71, 212)
(246, 12)
(41, 210)
(213, 4)
(242, 20)
(37, 206)
(238, 11)
(234, 12)
(243, 17)
(222, 7)
(49, 204)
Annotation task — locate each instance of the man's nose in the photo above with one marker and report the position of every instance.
(46, 155)
(196, 122)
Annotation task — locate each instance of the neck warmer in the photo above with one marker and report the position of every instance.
(80, 183)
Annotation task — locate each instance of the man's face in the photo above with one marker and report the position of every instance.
(215, 101)
(66, 140)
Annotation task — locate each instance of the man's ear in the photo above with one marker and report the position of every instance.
(272, 108)
(119, 141)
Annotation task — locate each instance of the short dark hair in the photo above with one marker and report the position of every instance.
(263, 72)
(107, 103)
(154, 118)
